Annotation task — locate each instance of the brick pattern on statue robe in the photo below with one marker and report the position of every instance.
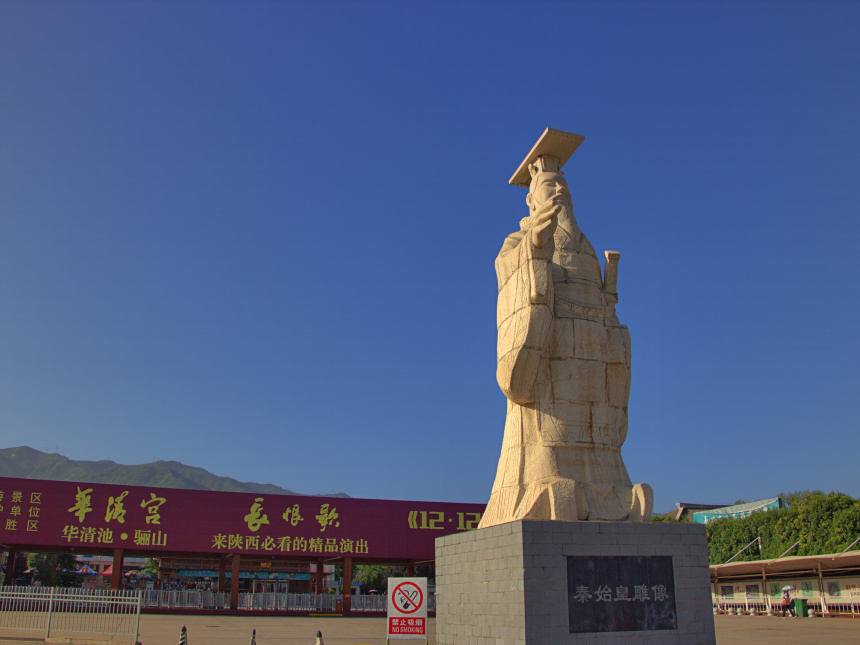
(565, 368)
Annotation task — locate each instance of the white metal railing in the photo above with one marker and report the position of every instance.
(846, 604)
(190, 599)
(288, 602)
(742, 603)
(184, 599)
(372, 602)
(53, 610)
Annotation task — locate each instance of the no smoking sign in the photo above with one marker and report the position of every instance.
(407, 608)
(408, 597)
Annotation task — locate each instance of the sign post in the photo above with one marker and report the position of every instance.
(407, 609)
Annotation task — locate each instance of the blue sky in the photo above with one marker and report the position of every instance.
(259, 237)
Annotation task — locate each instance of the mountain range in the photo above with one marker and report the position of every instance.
(28, 463)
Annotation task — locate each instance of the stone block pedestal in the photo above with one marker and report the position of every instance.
(547, 583)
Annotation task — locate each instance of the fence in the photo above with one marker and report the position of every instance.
(163, 599)
(742, 603)
(117, 613)
(52, 611)
(188, 599)
(373, 602)
(847, 604)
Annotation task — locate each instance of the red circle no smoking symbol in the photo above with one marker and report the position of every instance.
(408, 597)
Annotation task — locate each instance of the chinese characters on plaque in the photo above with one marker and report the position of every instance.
(620, 593)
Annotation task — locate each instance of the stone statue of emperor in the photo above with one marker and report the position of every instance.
(563, 362)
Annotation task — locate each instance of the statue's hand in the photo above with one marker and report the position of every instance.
(543, 226)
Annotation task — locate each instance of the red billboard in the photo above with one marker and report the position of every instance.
(94, 517)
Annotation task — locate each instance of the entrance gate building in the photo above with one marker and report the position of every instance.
(224, 528)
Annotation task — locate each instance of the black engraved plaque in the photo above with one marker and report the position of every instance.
(620, 593)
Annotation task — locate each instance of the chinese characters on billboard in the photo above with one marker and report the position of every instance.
(106, 516)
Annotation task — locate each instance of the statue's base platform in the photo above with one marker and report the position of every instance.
(547, 583)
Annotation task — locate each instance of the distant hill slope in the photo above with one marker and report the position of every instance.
(28, 463)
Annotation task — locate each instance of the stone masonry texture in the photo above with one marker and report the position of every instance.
(507, 584)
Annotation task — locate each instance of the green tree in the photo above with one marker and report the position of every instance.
(791, 499)
(375, 576)
(846, 528)
(53, 569)
(818, 522)
(150, 567)
(666, 518)
(727, 536)
(371, 576)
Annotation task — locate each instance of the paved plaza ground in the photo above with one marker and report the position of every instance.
(236, 630)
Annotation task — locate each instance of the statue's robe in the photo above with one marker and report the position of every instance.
(564, 365)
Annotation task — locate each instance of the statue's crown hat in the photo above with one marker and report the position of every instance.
(554, 143)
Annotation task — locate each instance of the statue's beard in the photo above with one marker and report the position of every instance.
(562, 200)
(567, 230)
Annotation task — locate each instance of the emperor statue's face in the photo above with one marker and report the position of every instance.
(548, 187)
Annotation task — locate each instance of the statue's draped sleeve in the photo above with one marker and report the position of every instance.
(524, 314)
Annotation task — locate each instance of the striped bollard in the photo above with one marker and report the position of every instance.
(183, 636)
(253, 637)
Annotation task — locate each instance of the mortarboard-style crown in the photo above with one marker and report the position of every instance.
(554, 143)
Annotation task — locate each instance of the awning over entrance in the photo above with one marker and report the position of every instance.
(791, 565)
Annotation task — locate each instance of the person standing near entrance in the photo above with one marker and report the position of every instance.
(786, 604)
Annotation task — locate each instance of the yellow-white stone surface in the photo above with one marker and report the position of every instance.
(563, 363)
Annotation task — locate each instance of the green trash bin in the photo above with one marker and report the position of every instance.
(801, 607)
